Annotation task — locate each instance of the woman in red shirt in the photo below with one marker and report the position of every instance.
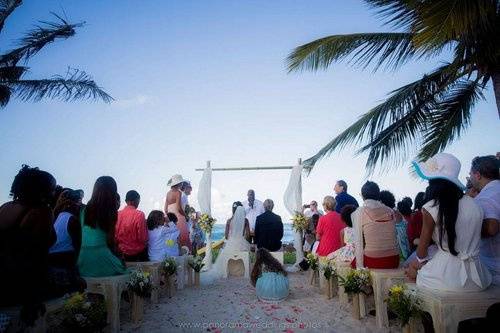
(415, 222)
(328, 230)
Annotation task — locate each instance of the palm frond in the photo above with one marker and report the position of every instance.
(397, 13)
(6, 8)
(77, 85)
(395, 120)
(11, 73)
(5, 93)
(451, 117)
(389, 49)
(36, 39)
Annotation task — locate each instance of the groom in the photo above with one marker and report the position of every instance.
(268, 229)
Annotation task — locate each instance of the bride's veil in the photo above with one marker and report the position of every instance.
(235, 242)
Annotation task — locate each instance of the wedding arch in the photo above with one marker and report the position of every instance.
(292, 200)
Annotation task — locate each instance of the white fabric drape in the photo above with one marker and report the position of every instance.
(204, 201)
(293, 203)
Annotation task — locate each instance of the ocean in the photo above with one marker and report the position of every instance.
(218, 232)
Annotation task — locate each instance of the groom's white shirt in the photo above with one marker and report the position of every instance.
(252, 212)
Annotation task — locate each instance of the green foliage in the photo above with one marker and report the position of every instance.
(313, 261)
(82, 314)
(169, 266)
(289, 258)
(356, 281)
(140, 283)
(433, 111)
(196, 263)
(404, 303)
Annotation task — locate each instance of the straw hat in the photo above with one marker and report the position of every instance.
(440, 166)
(175, 180)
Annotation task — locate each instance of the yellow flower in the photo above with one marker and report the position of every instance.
(397, 289)
(170, 243)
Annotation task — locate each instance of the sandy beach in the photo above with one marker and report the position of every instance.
(231, 305)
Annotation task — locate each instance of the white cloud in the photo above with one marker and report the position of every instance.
(138, 100)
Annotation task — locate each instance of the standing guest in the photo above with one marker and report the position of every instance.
(329, 227)
(343, 198)
(26, 234)
(269, 277)
(131, 230)
(453, 220)
(246, 228)
(346, 252)
(173, 204)
(162, 237)
(470, 190)
(404, 210)
(63, 273)
(312, 209)
(375, 231)
(98, 219)
(269, 228)
(484, 176)
(186, 189)
(415, 223)
(253, 208)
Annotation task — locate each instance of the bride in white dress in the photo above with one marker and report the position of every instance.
(235, 243)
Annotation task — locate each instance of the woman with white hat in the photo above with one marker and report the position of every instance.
(453, 220)
(173, 204)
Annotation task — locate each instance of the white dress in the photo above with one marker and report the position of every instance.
(464, 272)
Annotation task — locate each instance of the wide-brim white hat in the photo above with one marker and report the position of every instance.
(175, 180)
(440, 166)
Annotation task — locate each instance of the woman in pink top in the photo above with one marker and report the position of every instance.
(173, 205)
(328, 230)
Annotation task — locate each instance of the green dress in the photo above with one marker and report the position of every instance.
(96, 259)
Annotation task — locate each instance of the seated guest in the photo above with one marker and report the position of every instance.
(268, 228)
(346, 252)
(310, 234)
(26, 234)
(484, 176)
(343, 198)
(404, 210)
(415, 223)
(162, 237)
(269, 277)
(131, 230)
(375, 231)
(388, 199)
(329, 227)
(197, 236)
(98, 219)
(63, 273)
(453, 220)
(246, 229)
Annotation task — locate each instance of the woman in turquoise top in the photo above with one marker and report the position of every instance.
(269, 278)
(98, 225)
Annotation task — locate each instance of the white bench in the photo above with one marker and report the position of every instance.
(342, 269)
(382, 280)
(278, 255)
(244, 256)
(447, 309)
(111, 287)
(153, 268)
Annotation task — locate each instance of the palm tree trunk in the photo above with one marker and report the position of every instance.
(496, 89)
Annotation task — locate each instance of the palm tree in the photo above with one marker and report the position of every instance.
(75, 85)
(433, 111)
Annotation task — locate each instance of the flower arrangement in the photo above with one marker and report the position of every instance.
(329, 269)
(313, 261)
(169, 266)
(196, 263)
(140, 283)
(356, 281)
(404, 303)
(82, 314)
(299, 222)
(206, 223)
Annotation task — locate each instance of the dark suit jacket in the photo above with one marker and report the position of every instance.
(268, 231)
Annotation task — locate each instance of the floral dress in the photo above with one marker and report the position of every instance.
(345, 253)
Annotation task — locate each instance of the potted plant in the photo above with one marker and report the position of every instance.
(355, 282)
(168, 269)
(82, 313)
(140, 286)
(405, 304)
(196, 263)
(330, 273)
(313, 261)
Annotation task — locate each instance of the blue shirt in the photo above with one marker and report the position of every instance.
(343, 199)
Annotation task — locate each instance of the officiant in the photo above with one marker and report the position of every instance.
(253, 208)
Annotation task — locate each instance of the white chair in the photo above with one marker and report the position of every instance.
(278, 255)
(111, 287)
(342, 269)
(382, 280)
(241, 255)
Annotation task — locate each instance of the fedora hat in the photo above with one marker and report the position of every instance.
(175, 180)
(440, 166)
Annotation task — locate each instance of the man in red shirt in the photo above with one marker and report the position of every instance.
(131, 230)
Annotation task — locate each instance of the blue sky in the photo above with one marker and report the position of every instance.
(205, 80)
